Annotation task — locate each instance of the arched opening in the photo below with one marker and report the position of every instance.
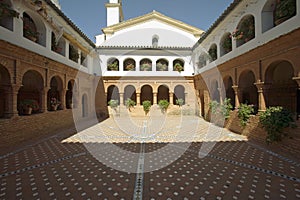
(145, 65)
(57, 45)
(245, 30)
(69, 95)
(34, 29)
(282, 89)
(179, 93)
(146, 94)
(213, 52)
(248, 91)
(30, 94)
(202, 60)
(113, 93)
(215, 94)
(129, 65)
(84, 105)
(228, 83)
(73, 53)
(178, 65)
(225, 44)
(163, 93)
(162, 65)
(55, 95)
(129, 92)
(5, 87)
(113, 64)
(7, 14)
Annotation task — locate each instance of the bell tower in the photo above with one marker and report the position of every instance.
(114, 12)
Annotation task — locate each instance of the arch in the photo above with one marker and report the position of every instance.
(225, 44)
(129, 64)
(5, 87)
(113, 64)
(6, 19)
(228, 83)
(162, 65)
(129, 92)
(282, 90)
(179, 93)
(113, 93)
(213, 52)
(146, 93)
(57, 46)
(245, 30)
(202, 61)
(69, 94)
(145, 65)
(84, 105)
(54, 95)
(163, 93)
(248, 91)
(32, 88)
(215, 94)
(178, 65)
(155, 39)
(34, 28)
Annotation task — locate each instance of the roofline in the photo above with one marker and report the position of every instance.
(157, 15)
(72, 24)
(228, 10)
(144, 47)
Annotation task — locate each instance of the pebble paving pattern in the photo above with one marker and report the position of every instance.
(63, 168)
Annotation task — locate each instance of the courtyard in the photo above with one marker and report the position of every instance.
(123, 157)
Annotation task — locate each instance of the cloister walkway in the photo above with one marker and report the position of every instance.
(167, 157)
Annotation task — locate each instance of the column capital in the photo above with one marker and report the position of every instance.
(297, 79)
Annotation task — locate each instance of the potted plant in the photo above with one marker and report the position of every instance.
(213, 53)
(227, 44)
(163, 105)
(245, 31)
(73, 53)
(7, 11)
(284, 10)
(129, 104)
(129, 67)
(30, 33)
(113, 104)
(27, 106)
(146, 106)
(161, 67)
(146, 67)
(54, 103)
(178, 67)
(179, 102)
(113, 66)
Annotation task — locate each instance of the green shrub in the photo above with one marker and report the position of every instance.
(214, 107)
(163, 105)
(226, 107)
(146, 106)
(274, 120)
(179, 102)
(244, 113)
(113, 104)
(129, 103)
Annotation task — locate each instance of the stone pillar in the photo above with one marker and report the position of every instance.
(261, 99)
(121, 99)
(63, 98)
(138, 99)
(44, 107)
(155, 98)
(171, 98)
(220, 95)
(236, 96)
(11, 106)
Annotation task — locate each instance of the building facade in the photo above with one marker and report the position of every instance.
(250, 55)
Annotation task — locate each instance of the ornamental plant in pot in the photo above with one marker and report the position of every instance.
(27, 106)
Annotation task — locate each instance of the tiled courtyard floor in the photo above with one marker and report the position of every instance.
(101, 163)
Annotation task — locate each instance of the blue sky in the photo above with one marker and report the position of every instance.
(90, 15)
